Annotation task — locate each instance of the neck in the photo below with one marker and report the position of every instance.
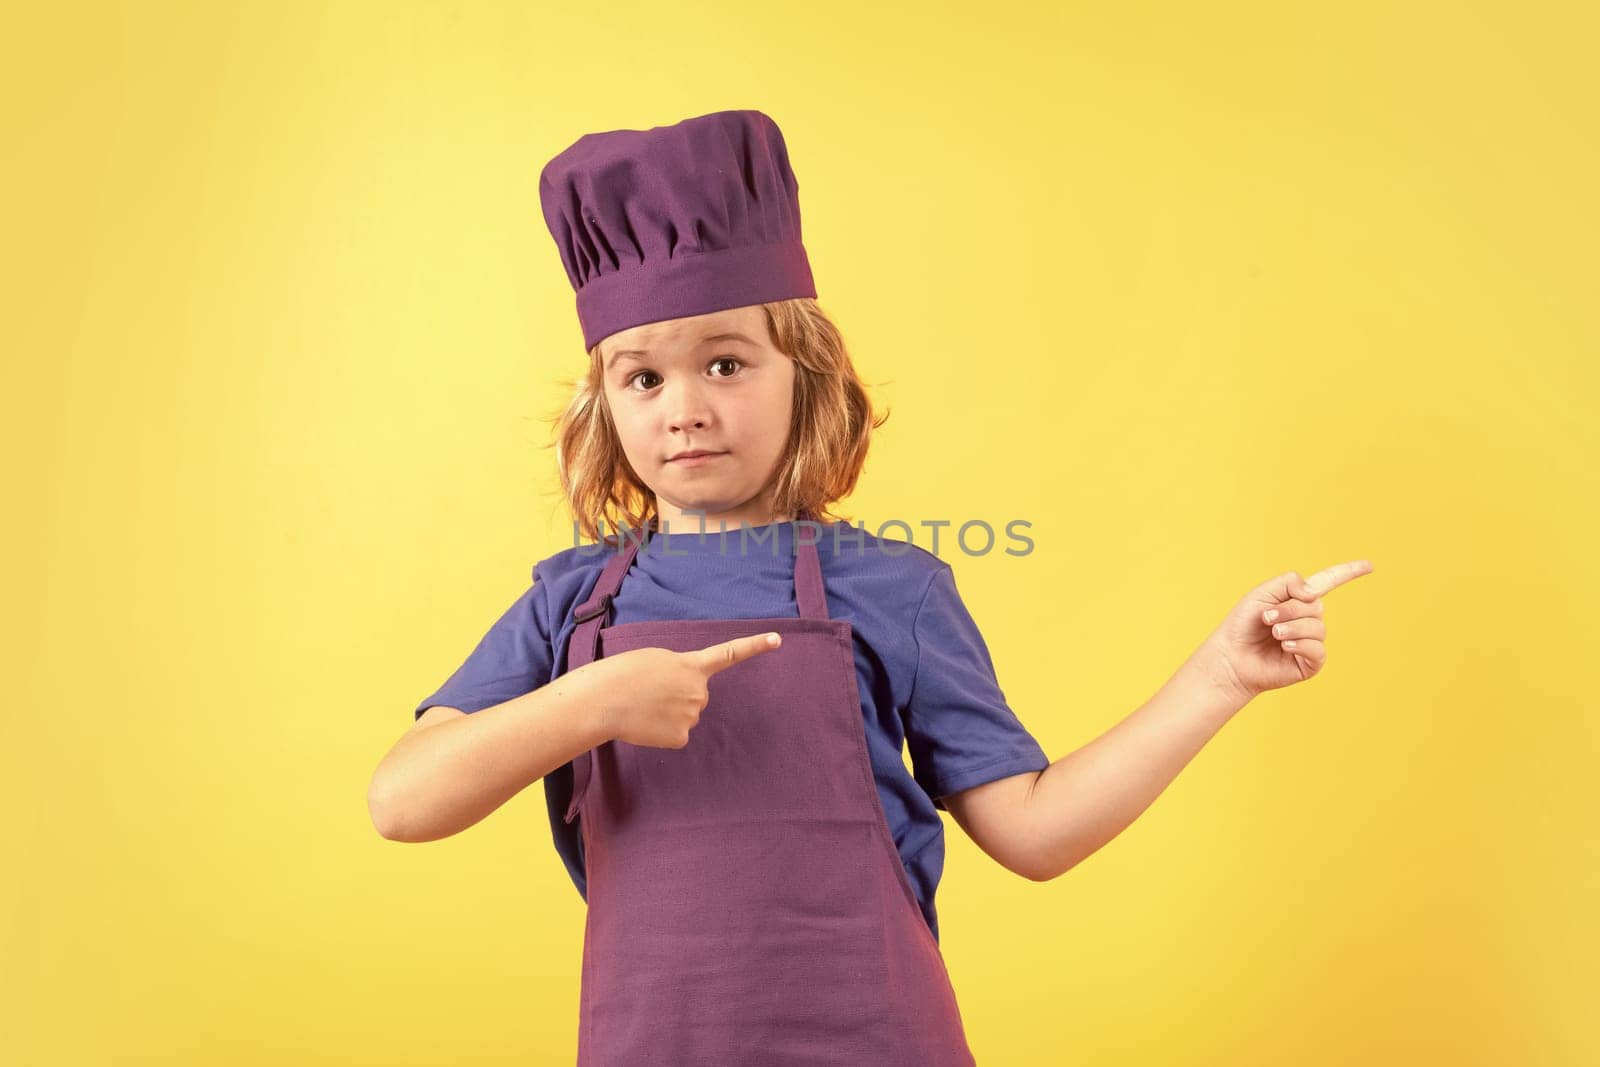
(672, 519)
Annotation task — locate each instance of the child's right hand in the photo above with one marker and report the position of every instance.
(654, 696)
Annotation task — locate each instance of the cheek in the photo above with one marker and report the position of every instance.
(771, 405)
(777, 416)
(631, 431)
(761, 420)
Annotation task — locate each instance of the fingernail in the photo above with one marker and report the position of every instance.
(1272, 616)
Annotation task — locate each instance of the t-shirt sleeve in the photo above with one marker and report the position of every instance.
(959, 729)
(513, 658)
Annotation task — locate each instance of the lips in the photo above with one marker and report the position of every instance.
(695, 459)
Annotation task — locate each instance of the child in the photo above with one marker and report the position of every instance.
(717, 697)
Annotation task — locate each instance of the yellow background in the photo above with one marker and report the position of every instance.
(1204, 292)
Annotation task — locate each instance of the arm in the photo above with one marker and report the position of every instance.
(1042, 824)
(452, 769)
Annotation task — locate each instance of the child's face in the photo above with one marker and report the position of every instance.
(672, 388)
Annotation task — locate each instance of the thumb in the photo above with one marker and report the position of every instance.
(720, 657)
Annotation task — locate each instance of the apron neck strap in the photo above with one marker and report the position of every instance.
(809, 592)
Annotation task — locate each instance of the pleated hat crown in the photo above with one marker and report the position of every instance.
(687, 219)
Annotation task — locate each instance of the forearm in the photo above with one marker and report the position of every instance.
(439, 780)
(1091, 795)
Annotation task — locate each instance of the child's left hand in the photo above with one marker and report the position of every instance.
(1274, 636)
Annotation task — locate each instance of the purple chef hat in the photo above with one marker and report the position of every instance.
(676, 220)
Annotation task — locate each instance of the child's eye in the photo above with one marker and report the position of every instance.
(639, 376)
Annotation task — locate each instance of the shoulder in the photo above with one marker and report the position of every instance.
(881, 583)
(559, 567)
(903, 568)
(563, 579)
(884, 583)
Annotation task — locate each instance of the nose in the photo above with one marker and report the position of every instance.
(685, 406)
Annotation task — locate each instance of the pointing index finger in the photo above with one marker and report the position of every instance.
(721, 656)
(1336, 575)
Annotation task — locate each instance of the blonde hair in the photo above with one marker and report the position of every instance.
(830, 428)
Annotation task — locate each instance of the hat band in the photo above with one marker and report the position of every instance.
(692, 283)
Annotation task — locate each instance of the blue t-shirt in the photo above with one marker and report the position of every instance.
(924, 673)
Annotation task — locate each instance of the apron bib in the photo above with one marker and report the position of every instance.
(746, 903)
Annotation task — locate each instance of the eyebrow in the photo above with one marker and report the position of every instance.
(635, 353)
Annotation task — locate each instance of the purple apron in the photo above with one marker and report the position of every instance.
(746, 903)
